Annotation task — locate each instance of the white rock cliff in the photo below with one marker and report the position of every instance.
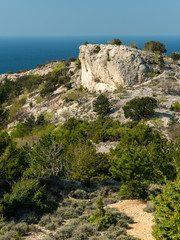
(112, 65)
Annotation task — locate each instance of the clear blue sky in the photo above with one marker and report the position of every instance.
(89, 17)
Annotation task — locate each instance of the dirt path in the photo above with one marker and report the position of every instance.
(143, 221)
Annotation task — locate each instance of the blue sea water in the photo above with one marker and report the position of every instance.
(25, 53)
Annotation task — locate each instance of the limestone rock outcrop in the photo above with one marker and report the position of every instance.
(104, 67)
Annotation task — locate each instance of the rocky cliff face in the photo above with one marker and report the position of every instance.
(104, 67)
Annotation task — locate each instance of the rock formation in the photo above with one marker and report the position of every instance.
(104, 67)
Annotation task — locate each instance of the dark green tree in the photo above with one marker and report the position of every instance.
(101, 105)
(27, 194)
(85, 164)
(4, 141)
(167, 217)
(175, 56)
(138, 108)
(115, 41)
(142, 156)
(154, 46)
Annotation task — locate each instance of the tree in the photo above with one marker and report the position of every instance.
(138, 108)
(175, 56)
(167, 217)
(142, 156)
(133, 45)
(154, 46)
(86, 164)
(101, 105)
(4, 141)
(115, 41)
(46, 158)
(27, 194)
(13, 162)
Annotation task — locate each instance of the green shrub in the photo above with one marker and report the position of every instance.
(115, 41)
(22, 100)
(79, 194)
(78, 63)
(97, 49)
(150, 208)
(173, 120)
(45, 220)
(175, 56)
(64, 232)
(25, 194)
(154, 46)
(133, 190)
(22, 71)
(86, 165)
(39, 99)
(175, 107)
(138, 108)
(21, 228)
(84, 231)
(69, 212)
(133, 45)
(106, 221)
(71, 59)
(167, 217)
(101, 105)
(4, 115)
(140, 149)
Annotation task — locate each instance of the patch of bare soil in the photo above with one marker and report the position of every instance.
(39, 235)
(143, 221)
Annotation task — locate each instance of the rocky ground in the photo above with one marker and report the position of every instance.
(62, 104)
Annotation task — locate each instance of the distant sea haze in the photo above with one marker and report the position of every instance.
(25, 53)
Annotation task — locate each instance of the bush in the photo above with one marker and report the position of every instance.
(133, 189)
(78, 63)
(97, 49)
(115, 41)
(175, 107)
(106, 221)
(80, 194)
(167, 220)
(22, 71)
(174, 128)
(101, 105)
(142, 156)
(175, 56)
(69, 212)
(150, 208)
(133, 45)
(84, 231)
(154, 46)
(138, 108)
(64, 232)
(25, 194)
(71, 59)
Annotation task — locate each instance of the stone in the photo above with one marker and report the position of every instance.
(112, 66)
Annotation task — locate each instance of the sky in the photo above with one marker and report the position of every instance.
(30, 18)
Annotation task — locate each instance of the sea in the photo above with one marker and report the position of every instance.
(17, 53)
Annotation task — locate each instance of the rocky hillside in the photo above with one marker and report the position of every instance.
(121, 72)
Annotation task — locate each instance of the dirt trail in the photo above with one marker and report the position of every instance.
(143, 221)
